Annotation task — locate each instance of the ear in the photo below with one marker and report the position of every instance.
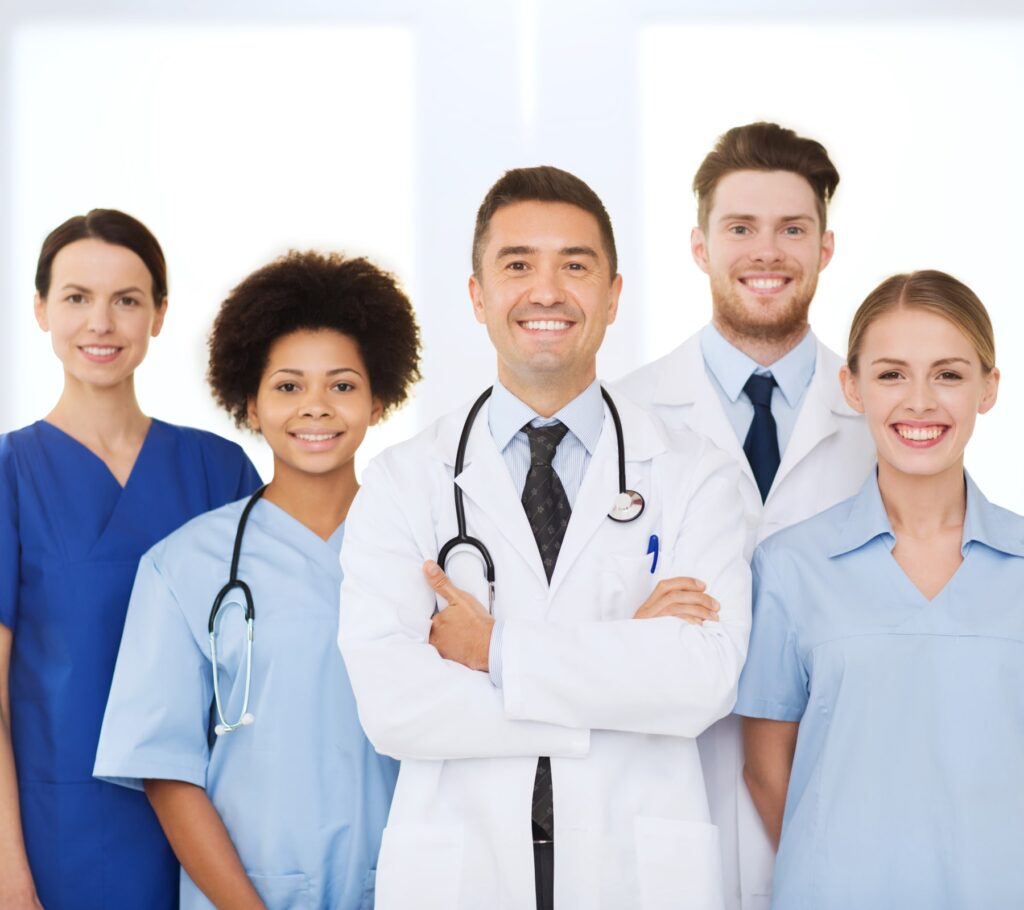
(699, 248)
(158, 318)
(613, 298)
(376, 411)
(39, 308)
(254, 420)
(988, 400)
(476, 294)
(828, 247)
(851, 391)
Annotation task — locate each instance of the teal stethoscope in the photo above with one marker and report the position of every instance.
(234, 582)
(627, 505)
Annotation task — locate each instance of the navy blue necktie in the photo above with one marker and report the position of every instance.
(762, 443)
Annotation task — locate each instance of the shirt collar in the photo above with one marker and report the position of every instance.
(732, 368)
(984, 523)
(584, 416)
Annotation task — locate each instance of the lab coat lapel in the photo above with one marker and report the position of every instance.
(486, 483)
(601, 482)
(817, 419)
(683, 380)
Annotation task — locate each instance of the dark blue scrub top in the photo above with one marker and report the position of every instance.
(70, 542)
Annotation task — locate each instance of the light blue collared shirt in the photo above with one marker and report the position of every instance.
(729, 369)
(906, 789)
(506, 417)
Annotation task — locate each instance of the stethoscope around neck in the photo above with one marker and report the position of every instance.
(627, 506)
(235, 583)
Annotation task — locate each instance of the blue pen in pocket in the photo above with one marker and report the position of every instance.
(652, 549)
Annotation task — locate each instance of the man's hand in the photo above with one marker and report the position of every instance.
(684, 598)
(462, 630)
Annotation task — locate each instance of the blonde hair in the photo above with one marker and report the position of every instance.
(935, 292)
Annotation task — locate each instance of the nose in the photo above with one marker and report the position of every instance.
(920, 397)
(766, 248)
(315, 405)
(101, 320)
(547, 288)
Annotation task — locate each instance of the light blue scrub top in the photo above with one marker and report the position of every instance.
(907, 790)
(301, 791)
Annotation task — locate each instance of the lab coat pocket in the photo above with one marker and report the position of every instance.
(679, 865)
(420, 866)
(284, 892)
(626, 582)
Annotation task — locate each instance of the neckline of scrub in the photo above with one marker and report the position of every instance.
(153, 421)
(270, 513)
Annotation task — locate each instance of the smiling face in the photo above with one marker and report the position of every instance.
(546, 295)
(314, 402)
(100, 312)
(920, 385)
(763, 248)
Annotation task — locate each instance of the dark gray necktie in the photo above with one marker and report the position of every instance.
(547, 510)
(762, 443)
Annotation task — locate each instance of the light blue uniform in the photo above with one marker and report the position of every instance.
(301, 791)
(907, 790)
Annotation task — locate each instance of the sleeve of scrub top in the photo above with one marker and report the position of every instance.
(155, 725)
(412, 703)
(774, 683)
(10, 542)
(663, 675)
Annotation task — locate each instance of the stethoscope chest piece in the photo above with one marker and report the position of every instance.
(627, 506)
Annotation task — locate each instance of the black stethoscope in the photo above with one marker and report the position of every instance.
(628, 505)
(234, 582)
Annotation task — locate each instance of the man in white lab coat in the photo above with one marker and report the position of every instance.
(759, 384)
(548, 750)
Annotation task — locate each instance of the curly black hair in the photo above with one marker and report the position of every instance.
(311, 290)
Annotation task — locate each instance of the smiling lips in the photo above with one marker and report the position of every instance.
(315, 441)
(100, 353)
(545, 325)
(765, 284)
(919, 436)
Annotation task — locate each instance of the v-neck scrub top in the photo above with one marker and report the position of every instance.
(301, 791)
(907, 790)
(70, 542)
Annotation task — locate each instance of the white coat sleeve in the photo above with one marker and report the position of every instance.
(664, 675)
(412, 703)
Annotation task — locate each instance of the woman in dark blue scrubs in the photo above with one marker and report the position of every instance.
(83, 494)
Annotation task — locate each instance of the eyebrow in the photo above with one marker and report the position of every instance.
(739, 216)
(292, 371)
(79, 287)
(945, 361)
(506, 251)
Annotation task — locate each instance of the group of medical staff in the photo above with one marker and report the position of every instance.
(737, 631)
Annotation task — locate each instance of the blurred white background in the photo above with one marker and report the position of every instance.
(236, 131)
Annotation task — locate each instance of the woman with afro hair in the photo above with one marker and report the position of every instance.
(283, 804)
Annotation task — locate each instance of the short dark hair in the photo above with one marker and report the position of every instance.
(542, 184)
(110, 226)
(312, 291)
(765, 147)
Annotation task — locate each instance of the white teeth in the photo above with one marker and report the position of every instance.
(546, 325)
(315, 437)
(765, 284)
(99, 352)
(920, 434)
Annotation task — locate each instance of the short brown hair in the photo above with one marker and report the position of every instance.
(935, 292)
(765, 147)
(542, 184)
(312, 291)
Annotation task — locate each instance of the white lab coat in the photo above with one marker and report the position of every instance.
(826, 460)
(615, 702)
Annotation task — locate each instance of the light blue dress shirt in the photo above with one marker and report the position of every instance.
(729, 368)
(906, 791)
(506, 417)
(301, 791)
